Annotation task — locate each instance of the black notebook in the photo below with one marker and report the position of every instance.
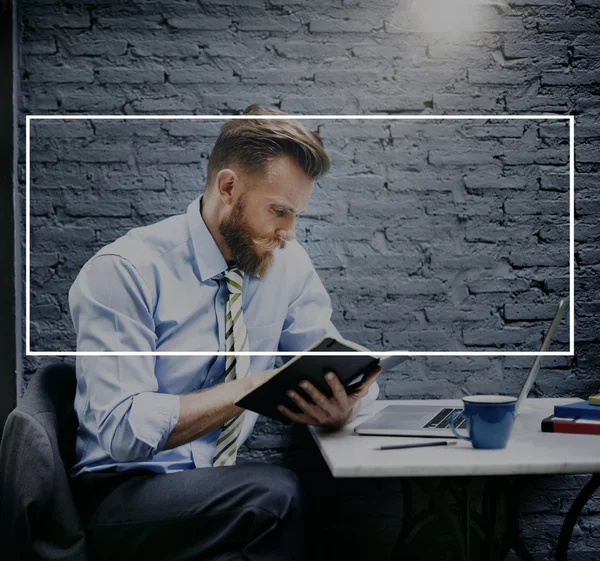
(348, 368)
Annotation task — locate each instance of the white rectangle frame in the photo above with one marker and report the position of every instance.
(570, 118)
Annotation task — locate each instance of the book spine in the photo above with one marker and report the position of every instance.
(570, 427)
(576, 413)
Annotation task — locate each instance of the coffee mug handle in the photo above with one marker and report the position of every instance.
(453, 417)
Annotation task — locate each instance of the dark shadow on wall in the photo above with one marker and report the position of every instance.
(7, 285)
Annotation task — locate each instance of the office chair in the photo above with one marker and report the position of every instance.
(38, 516)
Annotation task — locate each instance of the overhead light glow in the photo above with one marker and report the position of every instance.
(436, 16)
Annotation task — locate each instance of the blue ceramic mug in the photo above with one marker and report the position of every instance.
(490, 419)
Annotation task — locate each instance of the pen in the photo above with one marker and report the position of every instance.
(419, 445)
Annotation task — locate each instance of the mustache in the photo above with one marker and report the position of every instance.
(269, 244)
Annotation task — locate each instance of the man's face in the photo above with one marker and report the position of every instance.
(264, 216)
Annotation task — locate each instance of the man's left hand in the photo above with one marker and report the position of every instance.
(332, 412)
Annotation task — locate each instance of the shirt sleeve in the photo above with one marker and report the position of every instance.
(111, 307)
(309, 311)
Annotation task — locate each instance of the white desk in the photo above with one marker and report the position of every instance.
(529, 450)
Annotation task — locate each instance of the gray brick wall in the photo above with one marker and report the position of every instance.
(465, 222)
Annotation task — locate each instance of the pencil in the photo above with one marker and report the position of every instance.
(419, 445)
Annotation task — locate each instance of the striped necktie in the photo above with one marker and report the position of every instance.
(236, 367)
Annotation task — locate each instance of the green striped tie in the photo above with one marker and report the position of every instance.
(236, 367)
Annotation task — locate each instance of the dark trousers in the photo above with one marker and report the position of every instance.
(243, 512)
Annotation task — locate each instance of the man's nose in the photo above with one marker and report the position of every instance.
(288, 234)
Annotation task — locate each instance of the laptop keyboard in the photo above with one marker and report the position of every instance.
(442, 420)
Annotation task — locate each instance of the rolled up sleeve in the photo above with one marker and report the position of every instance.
(309, 313)
(111, 307)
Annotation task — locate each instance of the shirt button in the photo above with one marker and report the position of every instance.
(211, 380)
(223, 300)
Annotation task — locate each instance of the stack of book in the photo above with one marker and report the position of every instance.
(580, 417)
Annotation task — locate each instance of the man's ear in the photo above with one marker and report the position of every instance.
(225, 183)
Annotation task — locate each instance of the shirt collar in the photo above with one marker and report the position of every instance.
(209, 257)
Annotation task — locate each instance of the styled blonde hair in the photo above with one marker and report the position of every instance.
(253, 143)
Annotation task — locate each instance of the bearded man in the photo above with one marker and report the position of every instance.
(155, 473)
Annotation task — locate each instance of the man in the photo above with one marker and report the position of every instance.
(158, 435)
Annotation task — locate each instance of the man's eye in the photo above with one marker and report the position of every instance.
(280, 211)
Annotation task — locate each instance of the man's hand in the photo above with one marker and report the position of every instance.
(332, 412)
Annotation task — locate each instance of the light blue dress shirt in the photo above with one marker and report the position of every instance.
(161, 288)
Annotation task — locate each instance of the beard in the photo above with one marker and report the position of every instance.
(253, 253)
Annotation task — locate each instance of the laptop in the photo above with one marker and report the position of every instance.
(434, 420)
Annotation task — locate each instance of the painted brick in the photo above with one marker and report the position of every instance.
(127, 23)
(310, 104)
(346, 77)
(303, 50)
(49, 236)
(50, 22)
(499, 77)
(539, 103)
(380, 52)
(201, 76)
(588, 153)
(129, 76)
(417, 181)
(61, 129)
(364, 183)
(494, 234)
(183, 128)
(92, 47)
(498, 285)
(62, 76)
(493, 131)
(490, 180)
(176, 49)
(423, 286)
(538, 258)
(126, 129)
(98, 208)
(574, 24)
(235, 102)
(587, 51)
(528, 312)
(200, 23)
(525, 49)
(191, 154)
(97, 155)
(492, 337)
(341, 26)
(275, 76)
(393, 104)
(464, 103)
(40, 47)
(171, 105)
(554, 182)
(272, 23)
(541, 156)
(573, 78)
(536, 207)
(452, 158)
(94, 100)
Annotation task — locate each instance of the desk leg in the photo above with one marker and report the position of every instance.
(485, 531)
(447, 511)
(505, 490)
(514, 528)
(562, 547)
